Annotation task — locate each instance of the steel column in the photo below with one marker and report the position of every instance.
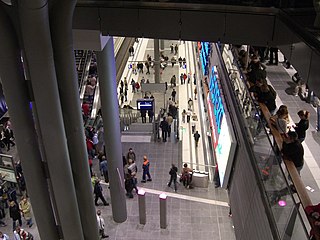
(61, 15)
(16, 92)
(110, 116)
(36, 37)
(156, 61)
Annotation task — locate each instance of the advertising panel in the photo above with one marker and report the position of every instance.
(204, 52)
(223, 140)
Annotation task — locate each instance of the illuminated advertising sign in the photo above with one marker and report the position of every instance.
(204, 50)
(224, 145)
(212, 122)
(216, 98)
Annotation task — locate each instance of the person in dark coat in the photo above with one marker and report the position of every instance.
(164, 128)
(267, 97)
(302, 126)
(98, 193)
(14, 213)
(173, 177)
(292, 149)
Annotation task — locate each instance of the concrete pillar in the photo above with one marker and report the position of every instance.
(36, 36)
(156, 61)
(110, 116)
(16, 93)
(61, 31)
(161, 45)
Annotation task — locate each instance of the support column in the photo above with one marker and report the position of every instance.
(156, 61)
(36, 36)
(161, 45)
(110, 116)
(61, 32)
(15, 89)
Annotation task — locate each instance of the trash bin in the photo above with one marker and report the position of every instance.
(200, 179)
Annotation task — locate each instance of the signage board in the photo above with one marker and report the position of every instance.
(145, 104)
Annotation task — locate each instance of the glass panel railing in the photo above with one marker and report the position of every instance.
(286, 210)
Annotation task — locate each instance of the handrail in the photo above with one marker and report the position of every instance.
(296, 179)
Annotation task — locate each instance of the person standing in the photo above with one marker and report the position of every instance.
(190, 104)
(195, 93)
(146, 170)
(173, 95)
(101, 225)
(131, 155)
(171, 48)
(143, 114)
(176, 48)
(132, 170)
(293, 150)
(150, 115)
(169, 120)
(302, 126)
(98, 193)
(8, 137)
(25, 208)
(173, 177)
(133, 85)
(184, 114)
(164, 129)
(15, 215)
(196, 136)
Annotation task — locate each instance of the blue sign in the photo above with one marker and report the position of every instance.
(216, 99)
(204, 56)
(145, 104)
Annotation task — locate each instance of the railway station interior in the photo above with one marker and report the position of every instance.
(171, 119)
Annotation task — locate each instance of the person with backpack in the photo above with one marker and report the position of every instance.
(173, 176)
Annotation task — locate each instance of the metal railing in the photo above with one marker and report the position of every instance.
(288, 215)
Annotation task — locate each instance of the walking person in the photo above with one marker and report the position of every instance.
(146, 170)
(101, 225)
(164, 129)
(133, 85)
(104, 168)
(15, 215)
(147, 64)
(171, 48)
(195, 93)
(173, 176)
(98, 193)
(196, 136)
(25, 208)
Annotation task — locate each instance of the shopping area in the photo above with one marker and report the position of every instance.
(220, 96)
